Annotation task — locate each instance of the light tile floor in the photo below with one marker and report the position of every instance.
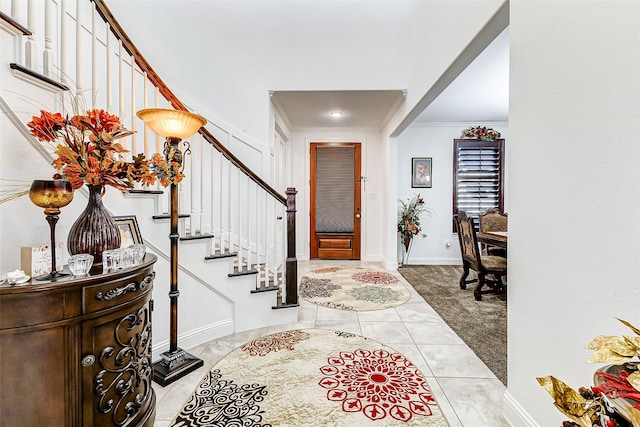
(468, 392)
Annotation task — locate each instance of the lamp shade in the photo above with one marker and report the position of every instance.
(171, 123)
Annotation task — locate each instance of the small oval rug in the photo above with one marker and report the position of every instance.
(358, 289)
(312, 377)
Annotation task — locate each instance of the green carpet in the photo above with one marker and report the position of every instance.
(482, 325)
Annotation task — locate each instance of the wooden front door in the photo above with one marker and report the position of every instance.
(335, 200)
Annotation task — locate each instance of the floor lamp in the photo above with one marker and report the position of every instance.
(175, 126)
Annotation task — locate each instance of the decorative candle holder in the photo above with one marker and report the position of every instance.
(80, 264)
(51, 195)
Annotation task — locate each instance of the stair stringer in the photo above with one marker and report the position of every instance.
(250, 310)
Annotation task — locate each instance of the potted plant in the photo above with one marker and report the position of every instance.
(409, 214)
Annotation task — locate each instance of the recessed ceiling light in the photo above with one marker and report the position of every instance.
(336, 114)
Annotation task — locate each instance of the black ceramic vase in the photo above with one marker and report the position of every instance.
(95, 230)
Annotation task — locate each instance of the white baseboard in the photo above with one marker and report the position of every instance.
(196, 337)
(435, 261)
(515, 414)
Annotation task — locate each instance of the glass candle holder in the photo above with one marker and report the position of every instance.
(111, 260)
(80, 264)
(139, 250)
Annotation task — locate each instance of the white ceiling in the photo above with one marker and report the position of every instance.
(360, 109)
(263, 40)
(479, 94)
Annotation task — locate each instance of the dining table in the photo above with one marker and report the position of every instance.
(494, 238)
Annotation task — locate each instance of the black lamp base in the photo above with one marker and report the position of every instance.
(52, 276)
(174, 365)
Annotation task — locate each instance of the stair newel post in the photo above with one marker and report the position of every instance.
(292, 262)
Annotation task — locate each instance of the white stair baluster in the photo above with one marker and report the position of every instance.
(132, 112)
(247, 215)
(48, 55)
(31, 48)
(79, 50)
(109, 72)
(121, 65)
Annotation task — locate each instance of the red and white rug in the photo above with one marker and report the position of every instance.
(358, 289)
(312, 377)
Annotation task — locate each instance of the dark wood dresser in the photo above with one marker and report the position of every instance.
(77, 351)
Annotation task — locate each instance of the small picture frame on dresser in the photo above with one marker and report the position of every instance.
(129, 230)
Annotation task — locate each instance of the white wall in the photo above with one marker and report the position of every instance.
(573, 198)
(435, 140)
(451, 47)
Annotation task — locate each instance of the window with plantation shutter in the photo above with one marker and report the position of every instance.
(477, 176)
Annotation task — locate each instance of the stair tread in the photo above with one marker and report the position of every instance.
(264, 289)
(168, 216)
(38, 76)
(218, 255)
(283, 305)
(21, 29)
(237, 272)
(146, 192)
(196, 236)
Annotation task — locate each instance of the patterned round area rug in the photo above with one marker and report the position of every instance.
(356, 289)
(312, 377)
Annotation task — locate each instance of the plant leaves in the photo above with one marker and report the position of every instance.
(634, 380)
(568, 401)
(634, 416)
(609, 349)
(633, 328)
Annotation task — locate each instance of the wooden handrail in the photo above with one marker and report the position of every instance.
(132, 50)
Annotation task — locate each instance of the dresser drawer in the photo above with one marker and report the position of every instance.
(115, 292)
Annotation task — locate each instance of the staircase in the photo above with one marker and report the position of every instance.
(237, 265)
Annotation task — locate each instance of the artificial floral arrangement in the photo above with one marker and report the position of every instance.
(591, 407)
(409, 213)
(88, 152)
(481, 133)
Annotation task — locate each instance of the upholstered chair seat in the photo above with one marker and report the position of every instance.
(491, 262)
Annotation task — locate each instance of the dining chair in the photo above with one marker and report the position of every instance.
(472, 259)
(493, 220)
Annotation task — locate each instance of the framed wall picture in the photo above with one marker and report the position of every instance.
(129, 230)
(421, 172)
